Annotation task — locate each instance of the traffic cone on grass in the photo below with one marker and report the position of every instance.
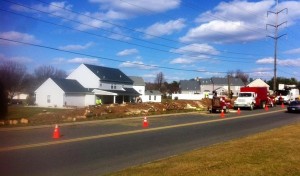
(222, 114)
(145, 123)
(56, 133)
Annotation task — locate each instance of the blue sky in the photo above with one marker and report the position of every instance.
(183, 39)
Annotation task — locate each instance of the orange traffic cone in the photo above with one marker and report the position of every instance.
(239, 111)
(222, 114)
(267, 108)
(56, 133)
(145, 123)
(282, 105)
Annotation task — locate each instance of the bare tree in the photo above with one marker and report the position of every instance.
(244, 77)
(42, 73)
(159, 80)
(239, 74)
(12, 77)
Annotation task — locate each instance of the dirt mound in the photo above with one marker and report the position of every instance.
(110, 111)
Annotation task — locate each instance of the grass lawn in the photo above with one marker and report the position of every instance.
(275, 152)
(17, 112)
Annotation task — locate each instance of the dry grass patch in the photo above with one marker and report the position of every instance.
(276, 152)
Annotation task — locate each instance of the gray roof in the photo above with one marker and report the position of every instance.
(137, 81)
(152, 92)
(69, 85)
(189, 85)
(128, 91)
(221, 81)
(107, 74)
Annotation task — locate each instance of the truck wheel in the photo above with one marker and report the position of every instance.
(251, 107)
(263, 104)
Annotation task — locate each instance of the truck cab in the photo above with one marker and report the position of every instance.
(245, 100)
(287, 95)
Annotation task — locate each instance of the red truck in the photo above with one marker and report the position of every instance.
(253, 97)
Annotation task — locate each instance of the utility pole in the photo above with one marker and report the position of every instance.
(276, 37)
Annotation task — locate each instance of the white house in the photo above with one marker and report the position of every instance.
(258, 83)
(86, 84)
(62, 92)
(146, 95)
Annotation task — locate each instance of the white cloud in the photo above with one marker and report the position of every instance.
(19, 59)
(282, 62)
(76, 47)
(127, 52)
(168, 28)
(128, 9)
(182, 61)
(268, 60)
(229, 22)
(80, 60)
(293, 51)
(194, 53)
(197, 48)
(136, 65)
(17, 36)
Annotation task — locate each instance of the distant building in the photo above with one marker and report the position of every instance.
(146, 95)
(258, 83)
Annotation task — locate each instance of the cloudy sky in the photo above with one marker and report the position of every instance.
(182, 39)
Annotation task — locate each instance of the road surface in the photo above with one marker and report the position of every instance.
(96, 148)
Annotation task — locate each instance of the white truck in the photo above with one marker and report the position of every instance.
(253, 97)
(286, 94)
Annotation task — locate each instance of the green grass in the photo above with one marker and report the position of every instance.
(274, 153)
(17, 112)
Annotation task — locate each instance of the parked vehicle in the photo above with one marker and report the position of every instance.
(253, 97)
(219, 104)
(294, 106)
(287, 95)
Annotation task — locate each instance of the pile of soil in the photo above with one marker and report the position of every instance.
(110, 111)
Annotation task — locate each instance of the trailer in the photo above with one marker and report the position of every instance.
(219, 104)
(253, 97)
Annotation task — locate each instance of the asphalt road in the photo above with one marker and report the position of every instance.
(96, 148)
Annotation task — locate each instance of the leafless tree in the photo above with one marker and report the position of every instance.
(239, 74)
(12, 77)
(42, 73)
(159, 80)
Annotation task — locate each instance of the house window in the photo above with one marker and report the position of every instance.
(149, 97)
(113, 86)
(100, 85)
(154, 97)
(48, 99)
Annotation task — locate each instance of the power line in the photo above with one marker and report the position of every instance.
(105, 58)
(134, 30)
(177, 53)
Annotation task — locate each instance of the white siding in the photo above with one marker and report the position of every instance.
(85, 77)
(90, 100)
(151, 98)
(49, 90)
(110, 86)
(75, 100)
(188, 96)
(140, 89)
